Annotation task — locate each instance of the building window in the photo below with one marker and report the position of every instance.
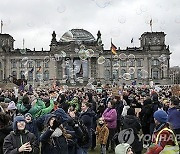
(107, 74)
(155, 74)
(115, 74)
(107, 63)
(30, 76)
(38, 64)
(14, 74)
(139, 74)
(155, 62)
(46, 65)
(22, 65)
(131, 63)
(123, 63)
(13, 63)
(46, 75)
(123, 71)
(139, 62)
(132, 76)
(30, 64)
(22, 76)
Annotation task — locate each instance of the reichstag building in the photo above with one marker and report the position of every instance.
(78, 57)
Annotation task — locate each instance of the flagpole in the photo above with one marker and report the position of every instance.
(23, 43)
(151, 28)
(111, 64)
(1, 26)
(151, 24)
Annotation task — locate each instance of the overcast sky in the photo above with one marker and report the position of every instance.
(121, 20)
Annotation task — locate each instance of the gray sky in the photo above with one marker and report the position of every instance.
(35, 20)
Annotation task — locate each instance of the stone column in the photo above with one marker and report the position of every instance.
(63, 69)
(89, 68)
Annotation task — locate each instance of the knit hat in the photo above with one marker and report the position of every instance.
(28, 114)
(161, 116)
(122, 148)
(16, 120)
(12, 106)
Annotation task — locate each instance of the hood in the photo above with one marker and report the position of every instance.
(61, 114)
(48, 117)
(17, 119)
(130, 120)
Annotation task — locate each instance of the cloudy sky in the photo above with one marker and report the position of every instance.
(121, 20)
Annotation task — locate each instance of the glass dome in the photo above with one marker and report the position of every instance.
(77, 35)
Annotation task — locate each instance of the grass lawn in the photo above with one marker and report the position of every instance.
(97, 151)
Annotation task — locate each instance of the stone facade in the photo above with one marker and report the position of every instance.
(78, 57)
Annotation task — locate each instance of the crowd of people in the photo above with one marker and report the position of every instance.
(77, 120)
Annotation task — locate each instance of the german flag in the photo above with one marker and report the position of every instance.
(39, 69)
(113, 49)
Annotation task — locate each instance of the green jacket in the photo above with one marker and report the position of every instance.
(21, 108)
(74, 101)
(39, 105)
(45, 110)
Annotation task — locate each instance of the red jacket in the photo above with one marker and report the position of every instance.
(159, 142)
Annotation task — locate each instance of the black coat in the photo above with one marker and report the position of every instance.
(53, 145)
(3, 133)
(12, 142)
(88, 119)
(133, 122)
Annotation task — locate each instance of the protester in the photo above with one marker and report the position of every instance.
(174, 116)
(130, 121)
(52, 139)
(5, 128)
(86, 116)
(31, 125)
(123, 148)
(110, 117)
(102, 133)
(12, 110)
(20, 140)
(163, 139)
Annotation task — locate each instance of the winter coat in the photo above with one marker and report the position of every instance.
(133, 122)
(24, 108)
(53, 143)
(110, 116)
(100, 110)
(166, 136)
(145, 115)
(45, 110)
(3, 133)
(32, 127)
(39, 105)
(14, 140)
(87, 118)
(172, 113)
(102, 134)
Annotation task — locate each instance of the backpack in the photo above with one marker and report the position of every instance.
(84, 139)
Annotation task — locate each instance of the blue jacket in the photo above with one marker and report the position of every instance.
(174, 117)
(32, 127)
